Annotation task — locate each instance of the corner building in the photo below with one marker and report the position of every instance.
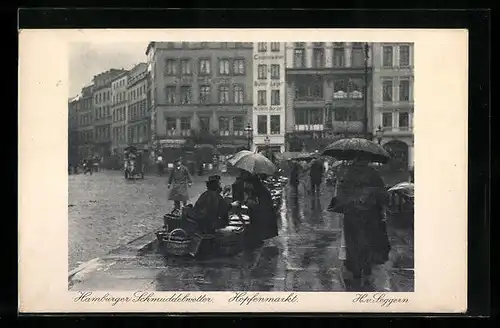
(393, 90)
(269, 90)
(325, 97)
(201, 96)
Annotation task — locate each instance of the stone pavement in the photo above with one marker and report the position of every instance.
(106, 211)
(303, 258)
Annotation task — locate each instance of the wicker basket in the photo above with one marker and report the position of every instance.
(172, 222)
(177, 242)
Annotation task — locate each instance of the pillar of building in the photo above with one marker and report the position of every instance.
(328, 54)
(348, 54)
(309, 54)
(411, 160)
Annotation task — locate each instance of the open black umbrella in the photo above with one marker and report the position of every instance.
(306, 157)
(357, 148)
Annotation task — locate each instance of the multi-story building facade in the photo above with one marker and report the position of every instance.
(326, 92)
(139, 107)
(269, 90)
(119, 113)
(73, 137)
(85, 123)
(201, 95)
(103, 117)
(393, 98)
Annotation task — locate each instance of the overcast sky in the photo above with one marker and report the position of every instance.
(89, 59)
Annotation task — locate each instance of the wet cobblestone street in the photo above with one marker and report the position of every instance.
(304, 257)
(106, 211)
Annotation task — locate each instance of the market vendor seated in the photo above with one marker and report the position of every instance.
(211, 210)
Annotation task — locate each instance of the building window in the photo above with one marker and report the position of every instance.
(404, 56)
(204, 94)
(358, 56)
(387, 120)
(262, 46)
(299, 57)
(387, 91)
(404, 90)
(275, 97)
(238, 126)
(275, 46)
(275, 71)
(262, 72)
(223, 125)
(338, 54)
(224, 67)
(223, 94)
(185, 126)
(205, 67)
(171, 126)
(275, 124)
(261, 98)
(239, 67)
(318, 57)
(170, 94)
(205, 124)
(186, 95)
(404, 120)
(348, 114)
(309, 89)
(238, 95)
(262, 124)
(387, 55)
(171, 67)
(186, 67)
(300, 116)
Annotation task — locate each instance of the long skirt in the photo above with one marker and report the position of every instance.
(366, 241)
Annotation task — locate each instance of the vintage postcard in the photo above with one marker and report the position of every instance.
(243, 170)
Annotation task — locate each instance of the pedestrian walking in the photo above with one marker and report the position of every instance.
(316, 175)
(179, 181)
(294, 180)
(362, 199)
(159, 164)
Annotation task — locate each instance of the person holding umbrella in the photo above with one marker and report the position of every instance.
(179, 180)
(362, 199)
(251, 191)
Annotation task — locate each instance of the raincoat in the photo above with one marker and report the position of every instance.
(361, 197)
(211, 211)
(264, 223)
(179, 179)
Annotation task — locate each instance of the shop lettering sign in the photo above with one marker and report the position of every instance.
(268, 108)
(172, 141)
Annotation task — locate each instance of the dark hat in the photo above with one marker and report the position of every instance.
(214, 178)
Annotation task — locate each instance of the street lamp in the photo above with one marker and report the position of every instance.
(365, 118)
(380, 134)
(249, 131)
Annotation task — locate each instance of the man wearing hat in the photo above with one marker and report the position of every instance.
(211, 210)
(179, 180)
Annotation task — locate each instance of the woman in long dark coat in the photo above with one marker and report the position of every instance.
(251, 191)
(362, 198)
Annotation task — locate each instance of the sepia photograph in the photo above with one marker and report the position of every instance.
(233, 170)
(241, 166)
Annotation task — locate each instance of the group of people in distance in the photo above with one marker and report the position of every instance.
(211, 210)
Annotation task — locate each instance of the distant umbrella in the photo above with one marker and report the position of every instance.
(307, 156)
(357, 148)
(406, 187)
(236, 157)
(255, 163)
